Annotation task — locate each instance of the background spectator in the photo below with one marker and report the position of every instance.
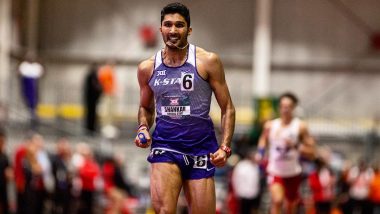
(322, 185)
(92, 93)
(246, 183)
(63, 175)
(30, 71)
(6, 174)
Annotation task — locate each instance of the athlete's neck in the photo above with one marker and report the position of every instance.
(174, 56)
(286, 120)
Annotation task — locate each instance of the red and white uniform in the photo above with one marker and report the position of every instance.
(283, 149)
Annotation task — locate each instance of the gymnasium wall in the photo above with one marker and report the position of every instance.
(318, 51)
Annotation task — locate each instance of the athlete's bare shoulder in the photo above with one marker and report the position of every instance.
(265, 133)
(206, 56)
(268, 124)
(147, 64)
(145, 68)
(303, 126)
(208, 63)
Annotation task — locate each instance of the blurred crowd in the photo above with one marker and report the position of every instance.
(66, 180)
(327, 187)
(72, 179)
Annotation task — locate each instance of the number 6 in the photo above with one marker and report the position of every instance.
(187, 83)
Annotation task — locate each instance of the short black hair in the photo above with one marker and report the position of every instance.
(176, 7)
(291, 96)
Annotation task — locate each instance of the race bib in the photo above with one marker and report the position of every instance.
(176, 107)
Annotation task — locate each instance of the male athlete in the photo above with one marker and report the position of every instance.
(177, 84)
(288, 139)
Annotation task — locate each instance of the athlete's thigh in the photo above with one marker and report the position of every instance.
(276, 189)
(200, 195)
(165, 186)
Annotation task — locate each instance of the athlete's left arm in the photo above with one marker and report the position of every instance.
(216, 78)
(307, 147)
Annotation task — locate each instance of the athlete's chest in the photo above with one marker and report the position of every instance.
(288, 133)
(181, 79)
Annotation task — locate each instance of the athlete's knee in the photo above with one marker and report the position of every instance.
(293, 203)
(276, 207)
(162, 208)
(277, 202)
(277, 195)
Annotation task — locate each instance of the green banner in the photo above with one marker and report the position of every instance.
(265, 109)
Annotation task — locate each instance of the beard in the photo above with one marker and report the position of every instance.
(176, 42)
(173, 46)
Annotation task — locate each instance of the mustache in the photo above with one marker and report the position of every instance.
(169, 43)
(178, 47)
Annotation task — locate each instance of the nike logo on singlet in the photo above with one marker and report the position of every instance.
(210, 168)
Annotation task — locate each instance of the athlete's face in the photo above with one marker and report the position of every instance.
(175, 31)
(286, 107)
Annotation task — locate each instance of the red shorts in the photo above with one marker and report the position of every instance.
(291, 185)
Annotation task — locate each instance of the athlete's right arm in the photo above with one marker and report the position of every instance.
(263, 141)
(146, 108)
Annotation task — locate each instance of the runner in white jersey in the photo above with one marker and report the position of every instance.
(283, 152)
(287, 139)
